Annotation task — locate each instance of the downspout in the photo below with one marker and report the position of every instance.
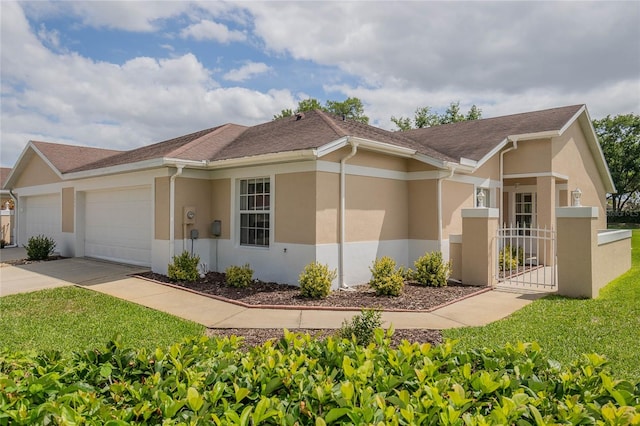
(15, 217)
(452, 170)
(172, 211)
(343, 199)
(501, 201)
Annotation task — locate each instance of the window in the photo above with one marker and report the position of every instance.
(255, 207)
(525, 208)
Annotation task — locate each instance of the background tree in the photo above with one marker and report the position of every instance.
(620, 141)
(423, 117)
(350, 108)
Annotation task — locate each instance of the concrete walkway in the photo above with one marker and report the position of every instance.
(114, 279)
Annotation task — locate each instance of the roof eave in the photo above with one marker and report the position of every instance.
(254, 160)
(121, 168)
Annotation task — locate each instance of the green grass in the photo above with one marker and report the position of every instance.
(566, 328)
(71, 318)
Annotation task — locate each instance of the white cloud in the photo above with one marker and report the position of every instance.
(247, 71)
(209, 30)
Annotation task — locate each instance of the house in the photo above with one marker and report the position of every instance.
(6, 209)
(311, 187)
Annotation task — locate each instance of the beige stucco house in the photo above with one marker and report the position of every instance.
(311, 187)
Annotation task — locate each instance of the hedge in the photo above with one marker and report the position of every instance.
(300, 380)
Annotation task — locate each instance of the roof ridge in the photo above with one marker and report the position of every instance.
(190, 144)
(339, 131)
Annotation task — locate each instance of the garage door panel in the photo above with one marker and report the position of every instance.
(43, 216)
(118, 225)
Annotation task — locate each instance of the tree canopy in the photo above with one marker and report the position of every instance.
(620, 141)
(350, 108)
(424, 117)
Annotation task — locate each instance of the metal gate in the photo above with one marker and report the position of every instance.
(526, 257)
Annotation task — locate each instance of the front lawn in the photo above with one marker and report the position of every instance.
(71, 319)
(566, 328)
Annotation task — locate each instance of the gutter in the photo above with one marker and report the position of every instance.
(452, 170)
(172, 211)
(343, 161)
(514, 140)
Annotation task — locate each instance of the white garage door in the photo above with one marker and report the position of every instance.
(118, 225)
(42, 217)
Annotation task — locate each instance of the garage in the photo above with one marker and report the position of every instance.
(118, 225)
(42, 216)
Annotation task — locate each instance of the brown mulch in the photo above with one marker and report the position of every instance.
(413, 298)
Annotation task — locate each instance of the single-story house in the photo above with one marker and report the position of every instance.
(310, 187)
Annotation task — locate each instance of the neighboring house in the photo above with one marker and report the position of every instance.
(6, 209)
(311, 187)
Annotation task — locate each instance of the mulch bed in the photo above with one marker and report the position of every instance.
(413, 298)
(19, 262)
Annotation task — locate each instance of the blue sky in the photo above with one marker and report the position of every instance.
(120, 75)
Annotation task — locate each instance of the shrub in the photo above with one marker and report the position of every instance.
(510, 258)
(2, 244)
(40, 247)
(184, 267)
(362, 326)
(431, 270)
(239, 276)
(315, 280)
(386, 280)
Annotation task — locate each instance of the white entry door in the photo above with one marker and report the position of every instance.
(119, 225)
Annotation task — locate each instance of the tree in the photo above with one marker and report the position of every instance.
(423, 117)
(350, 108)
(620, 141)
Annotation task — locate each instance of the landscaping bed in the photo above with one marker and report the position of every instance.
(413, 298)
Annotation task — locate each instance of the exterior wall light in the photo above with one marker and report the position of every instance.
(576, 195)
(481, 198)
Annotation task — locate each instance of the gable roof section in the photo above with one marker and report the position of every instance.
(4, 174)
(66, 158)
(476, 138)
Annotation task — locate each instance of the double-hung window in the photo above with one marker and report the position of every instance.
(525, 209)
(255, 209)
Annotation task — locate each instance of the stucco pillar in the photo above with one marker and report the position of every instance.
(576, 243)
(546, 207)
(479, 227)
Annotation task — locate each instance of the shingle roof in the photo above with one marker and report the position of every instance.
(313, 130)
(201, 145)
(474, 139)
(68, 157)
(4, 174)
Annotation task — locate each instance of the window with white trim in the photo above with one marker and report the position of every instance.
(525, 207)
(255, 212)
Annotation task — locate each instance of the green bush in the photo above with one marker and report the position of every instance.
(305, 381)
(431, 270)
(510, 258)
(315, 280)
(184, 267)
(386, 280)
(40, 247)
(3, 243)
(239, 276)
(361, 327)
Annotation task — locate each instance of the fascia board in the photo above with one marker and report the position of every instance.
(573, 119)
(491, 153)
(256, 160)
(122, 168)
(596, 150)
(533, 136)
(383, 147)
(468, 162)
(332, 146)
(430, 160)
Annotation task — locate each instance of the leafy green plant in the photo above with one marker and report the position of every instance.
(362, 326)
(315, 280)
(239, 276)
(3, 243)
(386, 279)
(40, 247)
(184, 267)
(509, 258)
(431, 270)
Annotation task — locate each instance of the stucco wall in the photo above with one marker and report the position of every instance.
(423, 209)
(295, 208)
(455, 196)
(572, 157)
(532, 156)
(161, 208)
(193, 193)
(221, 205)
(36, 172)
(68, 209)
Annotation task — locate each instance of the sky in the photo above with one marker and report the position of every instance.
(120, 75)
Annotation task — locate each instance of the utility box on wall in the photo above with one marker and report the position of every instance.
(189, 215)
